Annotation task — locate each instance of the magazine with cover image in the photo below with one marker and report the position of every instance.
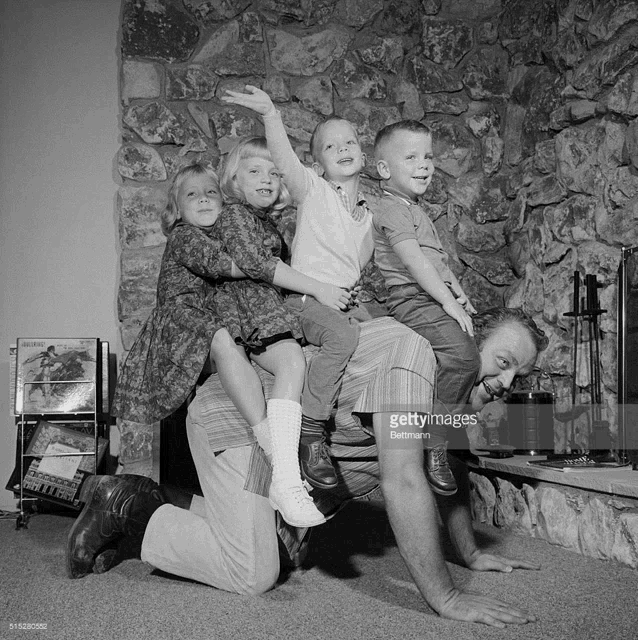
(48, 473)
(56, 375)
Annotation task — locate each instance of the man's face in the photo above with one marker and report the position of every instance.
(507, 353)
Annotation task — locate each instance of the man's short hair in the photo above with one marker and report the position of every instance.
(486, 322)
(412, 126)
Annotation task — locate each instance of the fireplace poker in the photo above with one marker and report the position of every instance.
(592, 334)
(596, 308)
(575, 312)
(600, 427)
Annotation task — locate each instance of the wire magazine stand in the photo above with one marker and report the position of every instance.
(61, 429)
(50, 482)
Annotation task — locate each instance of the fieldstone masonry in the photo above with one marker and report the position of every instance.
(533, 104)
(593, 524)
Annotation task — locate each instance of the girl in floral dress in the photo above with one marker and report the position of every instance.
(261, 326)
(168, 356)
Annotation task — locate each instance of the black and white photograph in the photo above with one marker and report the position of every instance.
(342, 306)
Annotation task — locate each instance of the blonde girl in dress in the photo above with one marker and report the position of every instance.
(261, 327)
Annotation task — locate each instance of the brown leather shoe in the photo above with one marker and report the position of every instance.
(114, 507)
(438, 472)
(316, 466)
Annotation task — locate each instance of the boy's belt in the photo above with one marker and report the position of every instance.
(409, 289)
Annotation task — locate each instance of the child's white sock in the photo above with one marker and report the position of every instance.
(287, 492)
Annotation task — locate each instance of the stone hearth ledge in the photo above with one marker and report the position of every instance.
(619, 482)
(594, 513)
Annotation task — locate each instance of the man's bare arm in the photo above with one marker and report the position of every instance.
(455, 511)
(413, 516)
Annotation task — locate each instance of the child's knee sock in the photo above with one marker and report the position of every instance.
(287, 491)
(284, 419)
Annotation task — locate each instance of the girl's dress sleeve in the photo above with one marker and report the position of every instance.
(243, 236)
(199, 252)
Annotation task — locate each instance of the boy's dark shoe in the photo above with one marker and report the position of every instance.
(438, 470)
(316, 466)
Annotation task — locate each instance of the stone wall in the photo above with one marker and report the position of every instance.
(534, 106)
(593, 524)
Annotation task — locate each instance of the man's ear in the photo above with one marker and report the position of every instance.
(383, 169)
(318, 169)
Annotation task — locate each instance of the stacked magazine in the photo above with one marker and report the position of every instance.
(57, 460)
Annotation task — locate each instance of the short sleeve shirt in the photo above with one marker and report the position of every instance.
(396, 219)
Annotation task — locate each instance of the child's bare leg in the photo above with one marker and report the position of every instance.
(239, 379)
(285, 360)
(242, 384)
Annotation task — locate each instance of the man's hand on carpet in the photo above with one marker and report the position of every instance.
(473, 607)
(488, 562)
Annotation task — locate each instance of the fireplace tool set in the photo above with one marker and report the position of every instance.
(533, 419)
(600, 450)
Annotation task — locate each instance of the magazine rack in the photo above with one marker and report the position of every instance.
(60, 434)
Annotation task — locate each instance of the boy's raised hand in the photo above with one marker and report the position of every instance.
(254, 99)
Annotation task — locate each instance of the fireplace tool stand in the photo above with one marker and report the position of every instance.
(600, 446)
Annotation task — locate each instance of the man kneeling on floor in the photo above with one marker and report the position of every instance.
(229, 538)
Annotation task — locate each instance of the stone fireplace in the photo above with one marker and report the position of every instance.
(534, 105)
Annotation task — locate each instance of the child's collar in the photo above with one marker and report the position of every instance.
(401, 197)
(357, 211)
(339, 188)
(350, 185)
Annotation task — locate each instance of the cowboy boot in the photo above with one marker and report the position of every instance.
(128, 548)
(115, 507)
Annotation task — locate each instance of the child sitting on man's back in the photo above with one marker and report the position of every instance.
(424, 293)
(333, 243)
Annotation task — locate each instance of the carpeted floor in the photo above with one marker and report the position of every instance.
(355, 586)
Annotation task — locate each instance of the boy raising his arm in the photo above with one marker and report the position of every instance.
(424, 293)
(333, 243)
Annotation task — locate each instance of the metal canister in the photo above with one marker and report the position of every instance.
(530, 418)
